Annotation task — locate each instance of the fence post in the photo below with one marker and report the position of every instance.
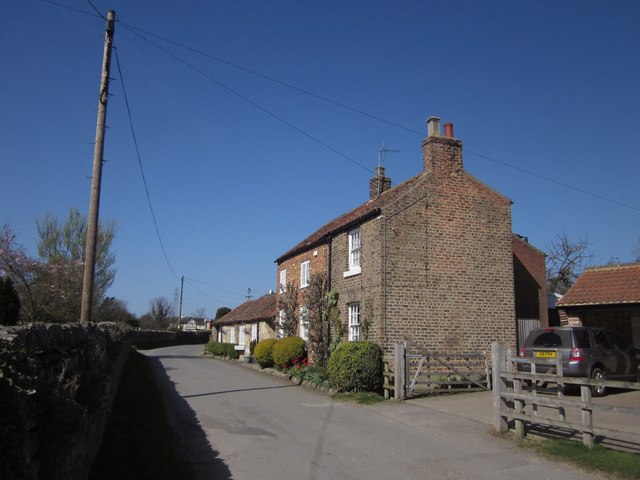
(398, 367)
(587, 416)
(386, 380)
(560, 373)
(497, 358)
(518, 405)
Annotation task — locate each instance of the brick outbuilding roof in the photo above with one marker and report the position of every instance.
(259, 310)
(608, 285)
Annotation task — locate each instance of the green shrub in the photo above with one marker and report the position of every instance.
(356, 367)
(288, 350)
(219, 349)
(263, 352)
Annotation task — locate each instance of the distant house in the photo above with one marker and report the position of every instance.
(433, 258)
(606, 296)
(193, 324)
(252, 321)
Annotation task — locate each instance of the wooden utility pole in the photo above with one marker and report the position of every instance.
(180, 311)
(96, 180)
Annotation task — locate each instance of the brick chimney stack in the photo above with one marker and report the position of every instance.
(379, 183)
(441, 155)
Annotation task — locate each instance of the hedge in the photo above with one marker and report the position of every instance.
(287, 350)
(219, 349)
(263, 352)
(356, 367)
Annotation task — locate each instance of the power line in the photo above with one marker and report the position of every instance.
(135, 31)
(551, 180)
(251, 102)
(144, 180)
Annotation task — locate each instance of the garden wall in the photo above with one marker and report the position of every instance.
(57, 385)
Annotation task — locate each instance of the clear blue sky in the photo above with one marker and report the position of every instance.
(240, 168)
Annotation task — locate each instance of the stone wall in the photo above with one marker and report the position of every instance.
(57, 385)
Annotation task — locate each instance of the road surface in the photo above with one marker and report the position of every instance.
(239, 424)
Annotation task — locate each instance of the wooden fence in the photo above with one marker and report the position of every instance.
(513, 403)
(418, 371)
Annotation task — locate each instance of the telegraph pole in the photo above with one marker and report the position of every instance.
(96, 180)
(180, 311)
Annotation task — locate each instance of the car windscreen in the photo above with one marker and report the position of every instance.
(550, 339)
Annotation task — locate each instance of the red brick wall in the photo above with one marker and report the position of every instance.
(318, 258)
(530, 281)
(437, 264)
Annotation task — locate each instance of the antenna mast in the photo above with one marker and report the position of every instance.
(382, 155)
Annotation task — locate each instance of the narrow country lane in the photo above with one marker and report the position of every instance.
(238, 423)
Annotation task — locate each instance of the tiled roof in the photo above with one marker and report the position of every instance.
(609, 285)
(260, 309)
(352, 218)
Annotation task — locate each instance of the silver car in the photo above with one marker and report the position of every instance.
(586, 352)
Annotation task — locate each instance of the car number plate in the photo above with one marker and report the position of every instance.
(545, 354)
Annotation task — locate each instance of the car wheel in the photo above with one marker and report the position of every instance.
(598, 374)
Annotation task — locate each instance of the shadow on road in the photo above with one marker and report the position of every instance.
(237, 390)
(196, 447)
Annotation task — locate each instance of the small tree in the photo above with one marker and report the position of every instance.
(114, 310)
(221, 312)
(566, 259)
(161, 311)
(62, 245)
(288, 305)
(9, 303)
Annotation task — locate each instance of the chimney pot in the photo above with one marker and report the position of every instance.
(448, 129)
(433, 127)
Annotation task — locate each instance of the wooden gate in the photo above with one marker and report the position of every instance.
(419, 371)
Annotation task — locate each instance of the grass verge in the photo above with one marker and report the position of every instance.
(365, 398)
(138, 442)
(615, 463)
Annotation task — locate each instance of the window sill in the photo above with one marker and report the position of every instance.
(351, 273)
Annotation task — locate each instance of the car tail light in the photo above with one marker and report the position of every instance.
(576, 355)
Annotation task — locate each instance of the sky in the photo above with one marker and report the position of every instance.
(257, 122)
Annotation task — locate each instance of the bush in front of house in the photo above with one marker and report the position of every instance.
(287, 351)
(263, 352)
(356, 367)
(221, 349)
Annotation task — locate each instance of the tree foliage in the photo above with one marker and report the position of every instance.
(323, 314)
(221, 312)
(63, 243)
(36, 282)
(114, 310)
(9, 302)
(566, 258)
(161, 310)
(288, 306)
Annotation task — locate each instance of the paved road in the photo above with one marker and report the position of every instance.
(237, 423)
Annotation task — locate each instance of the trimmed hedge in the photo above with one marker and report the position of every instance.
(356, 367)
(287, 350)
(263, 352)
(219, 349)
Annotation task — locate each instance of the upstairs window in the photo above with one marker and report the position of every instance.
(354, 253)
(305, 273)
(283, 280)
(354, 322)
